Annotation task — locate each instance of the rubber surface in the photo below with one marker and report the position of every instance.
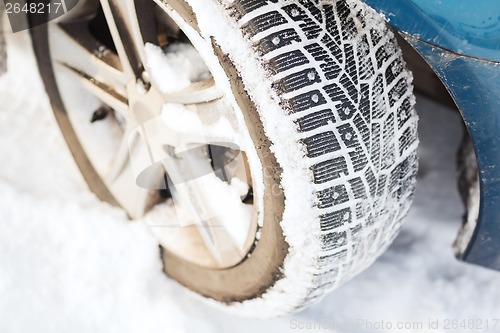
(341, 77)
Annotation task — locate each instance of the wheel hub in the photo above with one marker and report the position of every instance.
(185, 142)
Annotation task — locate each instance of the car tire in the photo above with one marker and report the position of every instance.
(324, 92)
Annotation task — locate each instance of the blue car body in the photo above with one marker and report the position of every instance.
(460, 40)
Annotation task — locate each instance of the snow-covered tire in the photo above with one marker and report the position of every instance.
(325, 93)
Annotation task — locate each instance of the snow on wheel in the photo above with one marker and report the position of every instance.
(270, 145)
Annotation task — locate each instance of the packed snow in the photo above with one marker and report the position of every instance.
(176, 66)
(70, 263)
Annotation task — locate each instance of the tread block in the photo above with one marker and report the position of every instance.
(297, 80)
(358, 188)
(349, 137)
(286, 61)
(329, 66)
(277, 40)
(359, 159)
(242, 7)
(264, 22)
(336, 219)
(333, 240)
(404, 112)
(332, 196)
(305, 101)
(320, 144)
(315, 120)
(329, 170)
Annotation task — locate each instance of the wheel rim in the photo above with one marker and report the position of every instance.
(133, 128)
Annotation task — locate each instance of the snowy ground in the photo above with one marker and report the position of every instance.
(69, 263)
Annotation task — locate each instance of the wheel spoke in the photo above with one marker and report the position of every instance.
(136, 200)
(178, 125)
(124, 27)
(122, 179)
(74, 47)
(103, 92)
(204, 123)
(120, 160)
(196, 93)
(222, 229)
(219, 243)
